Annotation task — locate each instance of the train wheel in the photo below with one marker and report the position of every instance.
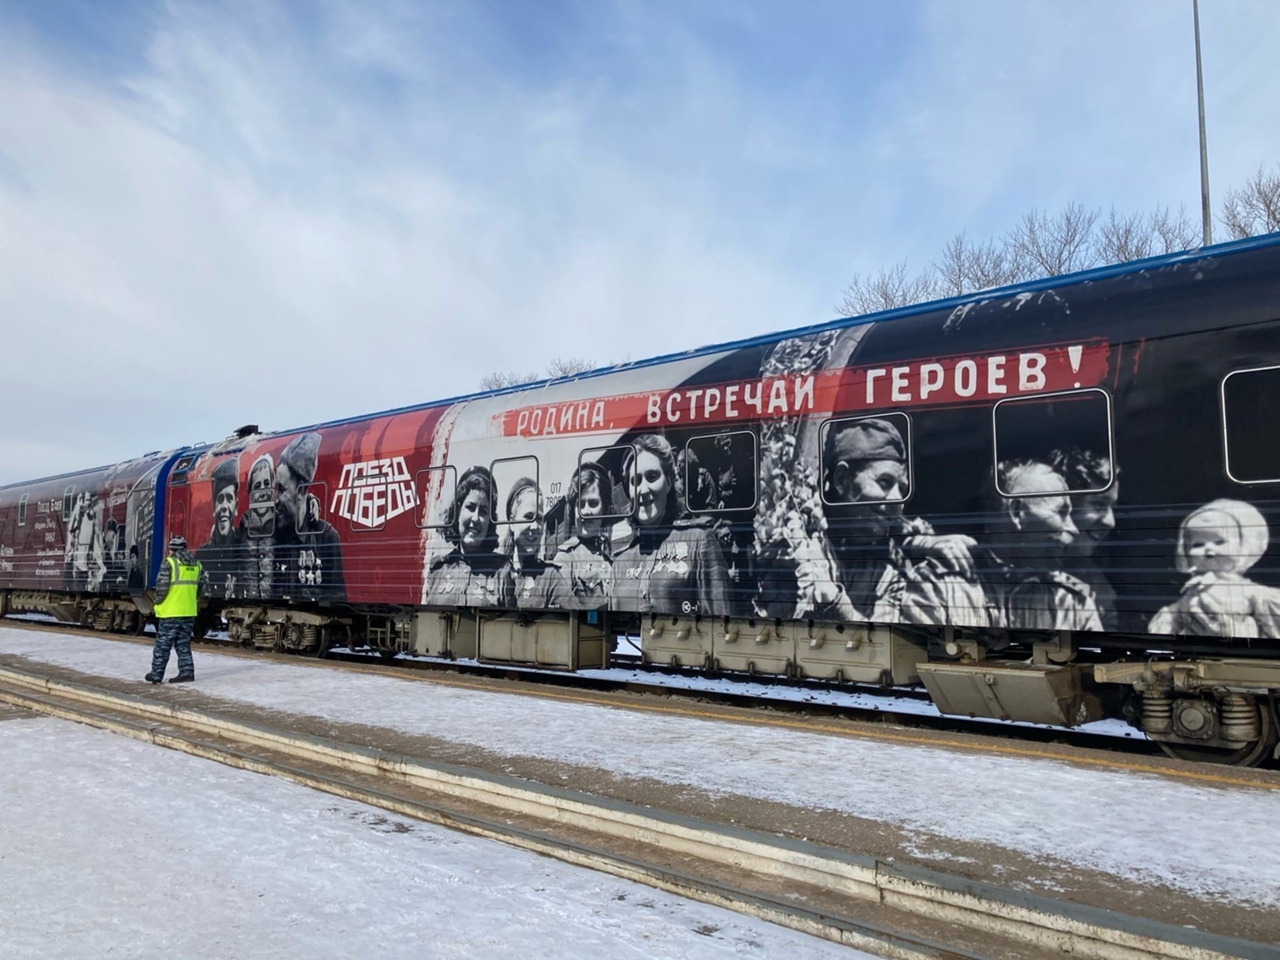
(323, 642)
(1254, 754)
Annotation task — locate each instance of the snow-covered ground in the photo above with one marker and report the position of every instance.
(111, 847)
(1213, 841)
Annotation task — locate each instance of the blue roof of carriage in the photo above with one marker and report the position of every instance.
(1048, 283)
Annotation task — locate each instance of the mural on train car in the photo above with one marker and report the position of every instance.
(280, 545)
(308, 516)
(780, 494)
(696, 499)
(778, 480)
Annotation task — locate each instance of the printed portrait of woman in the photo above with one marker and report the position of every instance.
(537, 584)
(472, 572)
(675, 562)
(584, 558)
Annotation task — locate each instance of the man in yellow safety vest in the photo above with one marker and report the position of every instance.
(177, 586)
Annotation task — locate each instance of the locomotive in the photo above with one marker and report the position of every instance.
(1049, 503)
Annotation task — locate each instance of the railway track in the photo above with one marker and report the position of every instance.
(841, 896)
(904, 707)
(908, 708)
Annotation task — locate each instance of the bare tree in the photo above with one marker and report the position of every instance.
(891, 287)
(1122, 238)
(1051, 245)
(965, 267)
(559, 367)
(1253, 208)
(569, 366)
(1174, 232)
(500, 379)
(1048, 245)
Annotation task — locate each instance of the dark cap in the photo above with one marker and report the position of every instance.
(226, 474)
(300, 455)
(872, 439)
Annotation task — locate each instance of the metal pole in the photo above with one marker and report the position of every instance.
(1205, 209)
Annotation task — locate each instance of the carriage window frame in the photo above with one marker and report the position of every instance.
(22, 509)
(909, 440)
(624, 484)
(180, 470)
(1226, 446)
(360, 528)
(1032, 398)
(270, 531)
(537, 482)
(68, 501)
(320, 491)
(755, 472)
(448, 469)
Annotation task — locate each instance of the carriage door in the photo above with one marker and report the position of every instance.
(179, 501)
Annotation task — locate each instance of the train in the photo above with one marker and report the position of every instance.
(1047, 503)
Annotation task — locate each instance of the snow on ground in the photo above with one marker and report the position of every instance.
(111, 847)
(1142, 827)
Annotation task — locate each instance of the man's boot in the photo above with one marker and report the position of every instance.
(183, 678)
(152, 678)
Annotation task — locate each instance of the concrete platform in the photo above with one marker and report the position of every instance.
(1190, 846)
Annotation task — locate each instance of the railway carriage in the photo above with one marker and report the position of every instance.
(1050, 502)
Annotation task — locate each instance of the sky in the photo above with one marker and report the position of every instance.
(214, 214)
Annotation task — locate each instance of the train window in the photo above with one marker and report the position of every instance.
(866, 459)
(597, 484)
(435, 487)
(720, 472)
(1034, 428)
(1251, 423)
(22, 510)
(311, 510)
(68, 498)
(180, 469)
(260, 517)
(510, 477)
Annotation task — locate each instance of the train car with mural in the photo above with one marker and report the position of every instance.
(1049, 503)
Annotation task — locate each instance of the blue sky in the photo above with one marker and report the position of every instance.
(300, 211)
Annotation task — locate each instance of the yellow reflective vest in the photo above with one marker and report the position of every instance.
(184, 585)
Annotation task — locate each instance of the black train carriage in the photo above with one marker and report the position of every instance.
(1050, 502)
(1077, 486)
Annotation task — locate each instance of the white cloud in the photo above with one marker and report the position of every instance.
(262, 223)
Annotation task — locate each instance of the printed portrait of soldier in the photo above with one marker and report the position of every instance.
(85, 559)
(113, 555)
(308, 551)
(135, 579)
(222, 557)
(861, 571)
(1019, 578)
(257, 532)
